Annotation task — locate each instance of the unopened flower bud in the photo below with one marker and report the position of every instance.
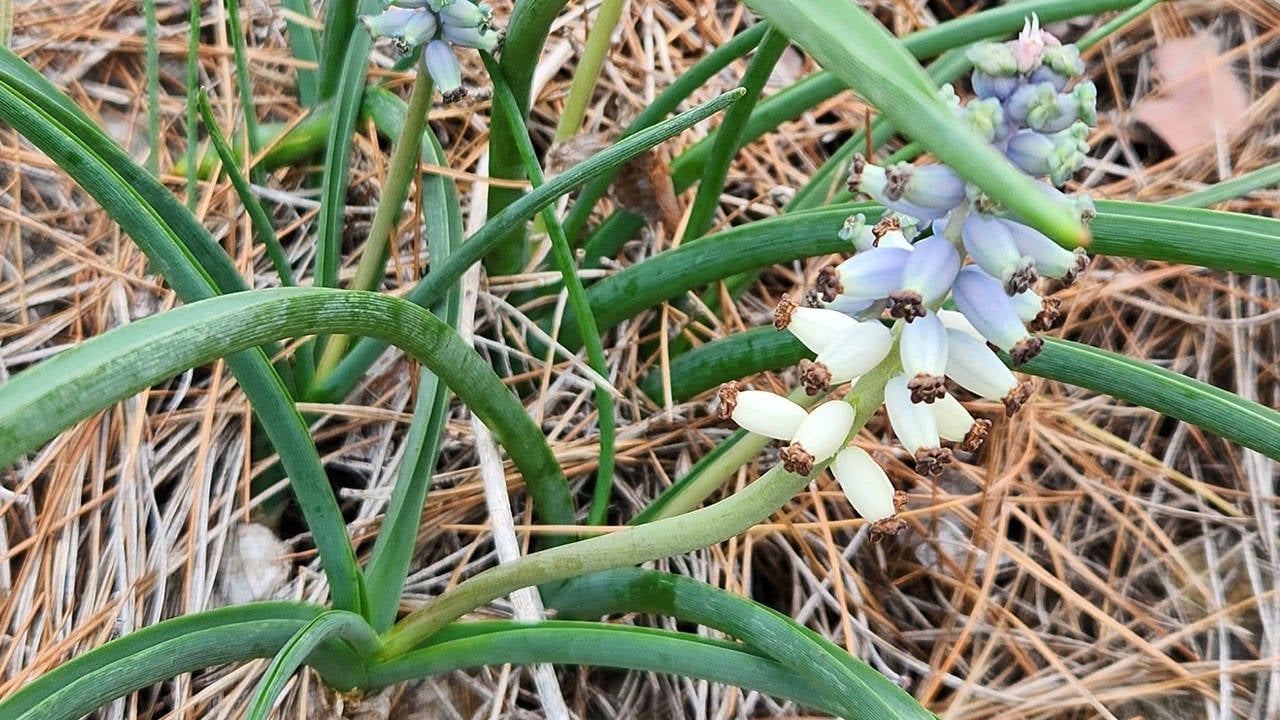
(956, 425)
(815, 328)
(915, 427)
(932, 186)
(990, 244)
(1057, 155)
(865, 483)
(923, 351)
(857, 232)
(872, 273)
(975, 368)
(822, 433)
(762, 413)
(981, 298)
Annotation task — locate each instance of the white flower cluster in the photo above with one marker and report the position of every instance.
(439, 25)
(943, 243)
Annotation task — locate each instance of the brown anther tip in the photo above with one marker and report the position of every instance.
(976, 435)
(931, 461)
(886, 528)
(1048, 316)
(856, 166)
(728, 394)
(453, 95)
(1016, 398)
(811, 299)
(815, 377)
(1080, 265)
(1021, 280)
(1026, 349)
(828, 284)
(895, 181)
(927, 388)
(782, 314)
(887, 224)
(795, 459)
(906, 304)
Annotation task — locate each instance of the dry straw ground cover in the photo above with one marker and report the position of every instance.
(1095, 559)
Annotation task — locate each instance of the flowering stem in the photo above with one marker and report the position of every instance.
(642, 543)
(404, 166)
(584, 79)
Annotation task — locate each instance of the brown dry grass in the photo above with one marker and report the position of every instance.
(1095, 560)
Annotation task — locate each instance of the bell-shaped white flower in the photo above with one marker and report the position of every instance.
(975, 368)
(956, 425)
(815, 328)
(762, 413)
(915, 426)
(851, 354)
(823, 432)
(922, 348)
(865, 483)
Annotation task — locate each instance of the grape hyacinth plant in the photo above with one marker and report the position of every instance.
(942, 243)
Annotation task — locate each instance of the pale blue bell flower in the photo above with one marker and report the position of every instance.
(974, 367)
(1051, 259)
(1056, 155)
(442, 65)
(984, 302)
(926, 277)
(915, 426)
(922, 348)
(990, 244)
(871, 274)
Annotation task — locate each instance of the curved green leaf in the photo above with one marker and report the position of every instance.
(865, 693)
(325, 627)
(39, 402)
(1192, 236)
(467, 645)
(156, 653)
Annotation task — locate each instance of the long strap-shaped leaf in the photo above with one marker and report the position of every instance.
(774, 635)
(39, 402)
(474, 644)
(157, 653)
(846, 40)
(196, 268)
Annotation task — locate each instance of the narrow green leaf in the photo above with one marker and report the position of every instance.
(327, 626)
(845, 39)
(1209, 238)
(302, 44)
(39, 402)
(1236, 187)
(1220, 412)
(157, 653)
(468, 645)
(864, 693)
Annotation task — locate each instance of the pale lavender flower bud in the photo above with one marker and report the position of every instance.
(972, 365)
(852, 353)
(926, 276)
(763, 413)
(479, 37)
(873, 181)
(442, 66)
(823, 432)
(993, 87)
(987, 118)
(1051, 259)
(982, 300)
(990, 244)
(922, 348)
(871, 274)
(956, 425)
(408, 27)
(1042, 108)
(815, 328)
(993, 59)
(865, 483)
(1057, 155)
(1063, 60)
(915, 427)
(932, 186)
(463, 13)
